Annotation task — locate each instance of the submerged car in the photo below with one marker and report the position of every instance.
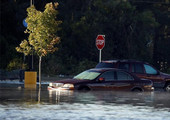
(141, 69)
(103, 79)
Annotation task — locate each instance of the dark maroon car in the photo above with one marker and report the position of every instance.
(140, 69)
(103, 79)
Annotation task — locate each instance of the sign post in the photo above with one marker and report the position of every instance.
(100, 55)
(100, 43)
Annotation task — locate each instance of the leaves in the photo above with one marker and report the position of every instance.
(24, 48)
(131, 29)
(42, 29)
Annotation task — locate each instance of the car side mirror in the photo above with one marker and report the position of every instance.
(101, 79)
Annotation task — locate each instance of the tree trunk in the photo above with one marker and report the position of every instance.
(39, 95)
(40, 57)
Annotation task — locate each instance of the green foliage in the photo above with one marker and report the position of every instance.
(24, 48)
(11, 30)
(127, 31)
(42, 29)
(16, 63)
(133, 30)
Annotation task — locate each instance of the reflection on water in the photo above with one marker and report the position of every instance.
(64, 105)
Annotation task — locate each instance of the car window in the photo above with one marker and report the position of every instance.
(105, 65)
(124, 66)
(150, 70)
(123, 76)
(88, 75)
(137, 68)
(108, 75)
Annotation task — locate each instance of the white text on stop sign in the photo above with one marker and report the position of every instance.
(99, 42)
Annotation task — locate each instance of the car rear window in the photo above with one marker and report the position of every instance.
(105, 65)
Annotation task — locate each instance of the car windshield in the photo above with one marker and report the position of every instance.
(88, 75)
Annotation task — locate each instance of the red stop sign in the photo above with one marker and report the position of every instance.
(100, 42)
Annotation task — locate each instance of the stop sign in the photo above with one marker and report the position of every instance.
(100, 42)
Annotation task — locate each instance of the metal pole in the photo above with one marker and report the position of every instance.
(100, 54)
(32, 61)
(32, 65)
(30, 2)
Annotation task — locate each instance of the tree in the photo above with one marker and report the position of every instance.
(129, 32)
(42, 29)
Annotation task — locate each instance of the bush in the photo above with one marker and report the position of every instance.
(16, 63)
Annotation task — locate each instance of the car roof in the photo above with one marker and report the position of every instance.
(105, 69)
(124, 60)
(116, 69)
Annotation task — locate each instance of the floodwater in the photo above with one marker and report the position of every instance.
(24, 104)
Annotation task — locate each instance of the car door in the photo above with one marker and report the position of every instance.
(116, 80)
(124, 81)
(107, 82)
